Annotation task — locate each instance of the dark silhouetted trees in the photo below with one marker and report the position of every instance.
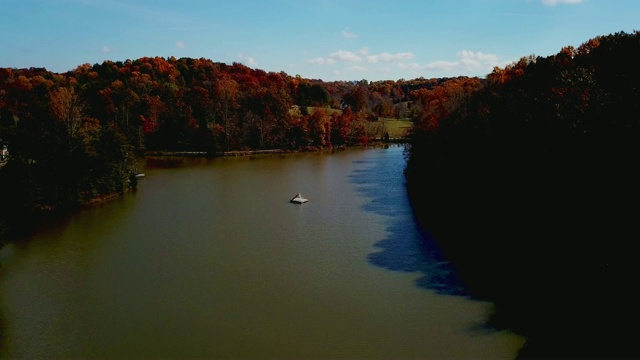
(529, 181)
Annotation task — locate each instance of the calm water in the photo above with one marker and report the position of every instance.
(209, 259)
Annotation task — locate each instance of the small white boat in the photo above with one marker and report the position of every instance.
(298, 199)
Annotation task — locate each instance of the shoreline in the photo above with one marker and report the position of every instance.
(236, 153)
(104, 198)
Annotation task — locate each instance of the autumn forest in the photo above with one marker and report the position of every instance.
(74, 136)
(527, 177)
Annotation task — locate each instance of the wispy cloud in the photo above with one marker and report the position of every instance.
(468, 61)
(322, 61)
(360, 56)
(341, 56)
(347, 56)
(349, 35)
(387, 57)
(556, 2)
(247, 60)
(106, 49)
(180, 44)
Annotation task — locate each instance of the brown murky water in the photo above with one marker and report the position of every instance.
(208, 259)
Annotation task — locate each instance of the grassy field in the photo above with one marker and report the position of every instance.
(396, 128)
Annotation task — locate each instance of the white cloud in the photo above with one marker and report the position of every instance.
(348, 56)
(349, 35)
(412, 66)
(180, 44)
(322, 61)
(470, 60)
(442, 65)
(556, 2)
(386, 57)
(467, 61)
(247, 60)
(106, 50)
(359, 56)
(317, 61)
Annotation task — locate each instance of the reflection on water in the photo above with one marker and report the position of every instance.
(209, 259)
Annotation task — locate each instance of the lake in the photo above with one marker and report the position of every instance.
(209, 259)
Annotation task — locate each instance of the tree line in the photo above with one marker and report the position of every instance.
(75, 136)
(529, 181)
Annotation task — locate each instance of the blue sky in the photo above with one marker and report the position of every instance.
(319, 39)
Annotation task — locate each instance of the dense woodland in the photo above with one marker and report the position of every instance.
(526, 177)
(530, 183)
(75, 137)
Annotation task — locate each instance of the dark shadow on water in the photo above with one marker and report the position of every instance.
(407, 252)
(407, 247)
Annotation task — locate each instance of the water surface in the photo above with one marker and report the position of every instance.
(209, 259)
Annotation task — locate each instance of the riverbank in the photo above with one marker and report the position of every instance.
(26, 220)
(234, 153)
